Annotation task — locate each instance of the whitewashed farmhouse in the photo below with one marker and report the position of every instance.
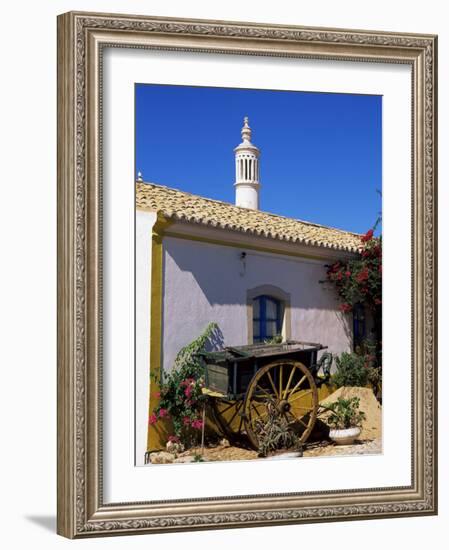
(254, 273)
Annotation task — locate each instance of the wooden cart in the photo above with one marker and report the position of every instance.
(244, 381)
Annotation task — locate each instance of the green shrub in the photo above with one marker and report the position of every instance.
(352, 370)
(180, 397)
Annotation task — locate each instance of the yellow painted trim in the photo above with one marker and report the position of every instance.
(257, 248)
(157, 433)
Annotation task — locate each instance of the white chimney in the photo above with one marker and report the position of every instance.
(247, 171)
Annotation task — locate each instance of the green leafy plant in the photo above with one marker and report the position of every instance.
(345, 413)
(352, 370)
(198, 458)
(276, 339)
(180, 397)
(367, 349)
(375, 380)
(273, 432)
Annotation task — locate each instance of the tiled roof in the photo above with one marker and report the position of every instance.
(182, 206)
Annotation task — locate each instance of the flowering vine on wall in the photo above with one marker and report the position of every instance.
(359, 280)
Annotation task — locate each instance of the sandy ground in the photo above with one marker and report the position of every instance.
(370, 440)
(359, 448)
(228, 452)
(223, 451)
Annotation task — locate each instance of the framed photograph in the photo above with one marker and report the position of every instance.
(246, 274)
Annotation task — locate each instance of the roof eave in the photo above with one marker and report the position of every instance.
(236, 237)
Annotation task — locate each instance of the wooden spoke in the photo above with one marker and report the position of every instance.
(227, 408)
(291, 415)
(272, 384)
(264, 391)
(281, 370)
(257, 411)
(225, 423)
(298, 384)
(301, 422)
(290, 378)
(296, 419)
(235, 414)
(240, 424)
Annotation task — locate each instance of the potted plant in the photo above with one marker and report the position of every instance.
(345, 420)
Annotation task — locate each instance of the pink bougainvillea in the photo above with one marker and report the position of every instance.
(181, 400)
(359, 280)
(197, 424)
(152, 419)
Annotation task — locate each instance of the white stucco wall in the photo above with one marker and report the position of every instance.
(144, 226)
(207, 282)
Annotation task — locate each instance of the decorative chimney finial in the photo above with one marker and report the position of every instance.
(247, 171)
(246, 130)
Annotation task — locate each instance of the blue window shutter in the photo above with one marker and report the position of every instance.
(262, 318)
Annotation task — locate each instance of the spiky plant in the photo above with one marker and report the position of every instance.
(274, 432)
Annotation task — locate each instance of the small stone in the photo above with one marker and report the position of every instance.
(161, 457)
(225, 443)
(174, 448)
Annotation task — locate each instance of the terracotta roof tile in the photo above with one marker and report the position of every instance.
(182, 206)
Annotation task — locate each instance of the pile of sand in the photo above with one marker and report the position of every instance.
(372, 425)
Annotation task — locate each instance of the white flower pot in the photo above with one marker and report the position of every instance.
(344, 437)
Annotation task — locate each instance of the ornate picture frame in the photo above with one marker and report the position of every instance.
(82, 39)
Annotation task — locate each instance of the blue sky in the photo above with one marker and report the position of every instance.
(321, 154)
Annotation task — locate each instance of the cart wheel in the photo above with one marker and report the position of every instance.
(228, 417)
(290, 387)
